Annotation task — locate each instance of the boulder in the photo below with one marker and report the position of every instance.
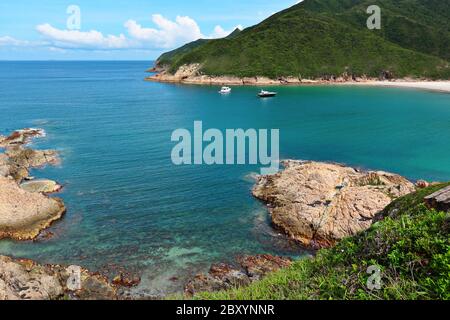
(41, 185)
(421, 184)
(24, 214)
(319, 204)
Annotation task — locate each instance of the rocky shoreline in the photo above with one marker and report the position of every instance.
(26, 210)
(225, 276)
(22, 279)
(315, 203)
(190, 74)
(25, 207)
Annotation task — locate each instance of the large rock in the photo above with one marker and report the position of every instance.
(24, 214)
(223, 276)
(319, 204)
(22, 279)
(41, 185)
(440, 200)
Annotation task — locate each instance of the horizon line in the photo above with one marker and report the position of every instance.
(77, 60)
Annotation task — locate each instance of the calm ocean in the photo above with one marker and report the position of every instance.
(129, 206)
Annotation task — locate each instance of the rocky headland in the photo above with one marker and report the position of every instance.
(319, 204)
(25, 208)
(191, 74)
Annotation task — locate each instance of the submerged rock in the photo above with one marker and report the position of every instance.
(126, 280)
(24, 214)
(22, 279)
(41, 185)
(21, 137)
(259, 266)
(319, 204)
(224, 276)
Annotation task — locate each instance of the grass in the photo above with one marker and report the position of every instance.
(410, 244)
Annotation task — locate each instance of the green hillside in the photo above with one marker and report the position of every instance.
(329, 37)
(410, 244)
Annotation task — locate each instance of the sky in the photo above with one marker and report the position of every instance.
(119, 29)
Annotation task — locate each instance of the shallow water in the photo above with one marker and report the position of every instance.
(129, 206)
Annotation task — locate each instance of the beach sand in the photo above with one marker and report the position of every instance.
(442, 86)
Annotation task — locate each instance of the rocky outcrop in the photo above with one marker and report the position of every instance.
(22, 279)
(23, 214)
(17, 159)
(319, 204)
(224, 276)
(24, 210)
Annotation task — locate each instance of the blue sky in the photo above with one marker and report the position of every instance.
(119, 29)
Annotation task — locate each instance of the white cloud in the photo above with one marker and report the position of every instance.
(168, 33)
(12, 42)
(219, 32)
(82, 40)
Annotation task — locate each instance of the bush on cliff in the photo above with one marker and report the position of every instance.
(410, 244)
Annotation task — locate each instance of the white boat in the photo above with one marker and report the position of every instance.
(266, 94)
(225, 90)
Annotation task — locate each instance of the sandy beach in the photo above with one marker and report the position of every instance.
(442, 86)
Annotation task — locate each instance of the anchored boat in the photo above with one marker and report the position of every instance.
(266, 94)
(225, 90)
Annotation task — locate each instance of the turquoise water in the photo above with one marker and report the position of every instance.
(129, 206)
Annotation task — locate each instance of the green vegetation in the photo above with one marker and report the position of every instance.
(318, 38)
(410, 243)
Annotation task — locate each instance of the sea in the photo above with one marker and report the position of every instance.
(130, 207)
